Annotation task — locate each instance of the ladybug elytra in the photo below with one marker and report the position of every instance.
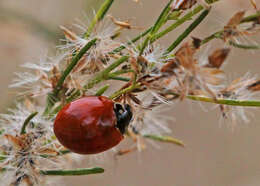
(92, 124)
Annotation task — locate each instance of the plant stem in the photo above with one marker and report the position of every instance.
(237, 45)
(73, 172)
(211, 1)
(211, 37)
(104, 75)
(251, 18)
(119, 78)
(124, 91)
(26, 122)
(179, 22)
(188, 31)
(122, 47)
(218, 35)
(102, 90)
(99, 16)
(245, 103)
(167, 139)
(161, 19)
(52, 97)
(120, 72)
(73, 63)
(62, 152)
(158, 24)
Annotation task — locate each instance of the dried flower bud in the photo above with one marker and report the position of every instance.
(183, 4)
(217, 58)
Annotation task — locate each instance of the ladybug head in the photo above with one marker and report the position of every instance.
(124, 115)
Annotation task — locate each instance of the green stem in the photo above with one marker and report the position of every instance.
(102, 90)
(188, 31)
(104, 75)
(99, 16)
(179, 22)
(161, 19)
(218, 35)
(26, 122)
(122, 47)
(251, 18)
(62, 152)
(119, 78)
(73, 63)
(158, 24)
(73, 172)
(245, 103)
(124, 91)
(52, 97)
(174, 15)
(211, 1)
(237, 45)
(167, 139)
(211, 37)
(120, 72)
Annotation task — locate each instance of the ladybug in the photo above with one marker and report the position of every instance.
(92, 124)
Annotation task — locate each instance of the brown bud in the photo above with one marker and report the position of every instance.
(217, 58)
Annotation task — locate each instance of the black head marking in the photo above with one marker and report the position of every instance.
(124, 115)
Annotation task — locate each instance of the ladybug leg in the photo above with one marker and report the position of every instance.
(125, 151)
(137, 138)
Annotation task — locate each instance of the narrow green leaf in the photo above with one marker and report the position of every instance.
(166, 139)
(72, 172)
(188, 31)
(237, 45)
(251, 18)
(62, 152)
(119, 78)
(122, 47)
(26, 122)
(179, 22)
(158, 24)
(104, 75)
(102, 90)
(52, 96)
(72, 64)
(245, 103)
(99, 16)
(211, 1)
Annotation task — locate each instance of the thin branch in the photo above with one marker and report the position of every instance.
(158, 24)
(124, 91)
(179, 22)
(99, 16)
(102, 90)
(104, 75)
(72, 172)
(52, 97)
(245, 103)
(167, 139)
(188, 31)
(26, 122)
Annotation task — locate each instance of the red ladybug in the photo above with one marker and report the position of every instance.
(92, 124)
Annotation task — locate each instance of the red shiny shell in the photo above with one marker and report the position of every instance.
(87, 125)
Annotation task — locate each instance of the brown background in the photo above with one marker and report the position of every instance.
(215, 154)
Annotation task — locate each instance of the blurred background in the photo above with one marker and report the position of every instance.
(215, 155)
